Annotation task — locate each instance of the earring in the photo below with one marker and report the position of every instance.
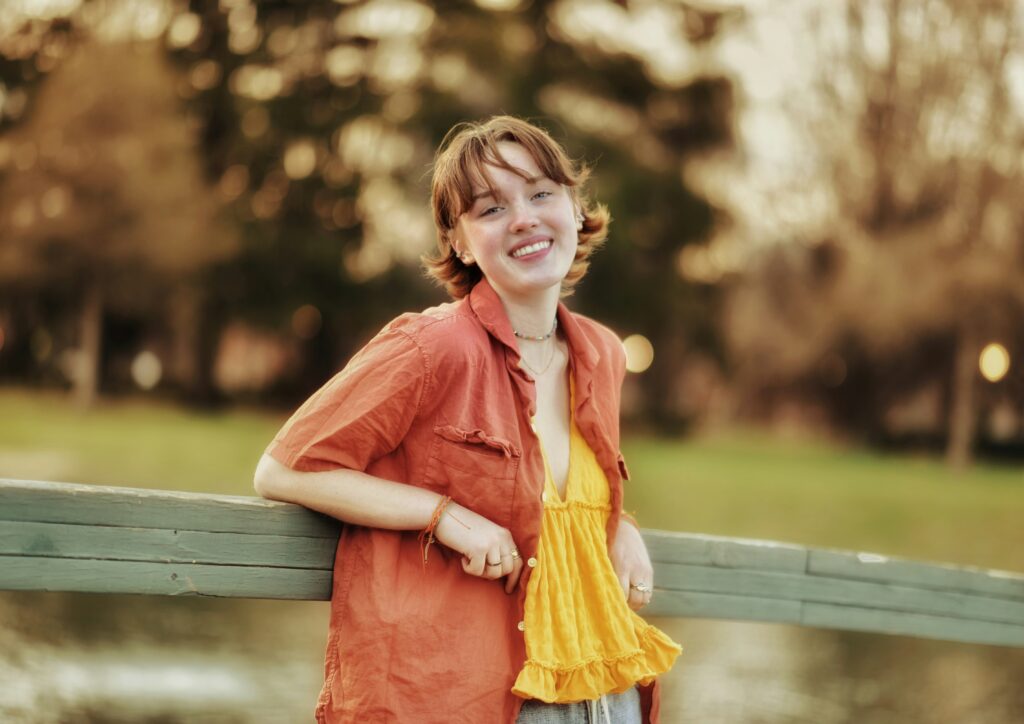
(579, 221)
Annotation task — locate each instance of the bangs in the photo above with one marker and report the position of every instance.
(470, 175)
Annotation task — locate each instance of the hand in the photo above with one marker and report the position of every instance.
(486, 547)
(632, 565)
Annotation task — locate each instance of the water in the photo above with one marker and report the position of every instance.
(104, 658)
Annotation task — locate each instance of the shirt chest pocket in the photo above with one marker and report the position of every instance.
(477, 469)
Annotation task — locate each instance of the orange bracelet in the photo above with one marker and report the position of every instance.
(426, 537)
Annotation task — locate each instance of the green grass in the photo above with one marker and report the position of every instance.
(744, 484)
(748, 485)
(135, 443)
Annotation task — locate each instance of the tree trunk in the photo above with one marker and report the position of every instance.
(962, 413)
(196, 319)
(85, 375)
(184, 316)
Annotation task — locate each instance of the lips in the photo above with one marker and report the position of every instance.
(531, 246)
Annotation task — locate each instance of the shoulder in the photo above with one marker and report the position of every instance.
(444, 331)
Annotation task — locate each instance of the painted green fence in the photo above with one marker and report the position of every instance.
(64, 537)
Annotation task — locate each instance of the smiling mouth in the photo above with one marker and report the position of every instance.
(531, 248)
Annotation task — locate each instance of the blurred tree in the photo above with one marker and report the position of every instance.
(318, 121)
(904, 208)
(109, 200)
(340, 108)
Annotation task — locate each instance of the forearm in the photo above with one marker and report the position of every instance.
(348, 495)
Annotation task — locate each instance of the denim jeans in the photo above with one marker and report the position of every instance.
(621, 708)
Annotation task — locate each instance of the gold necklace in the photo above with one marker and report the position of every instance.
(547, 365)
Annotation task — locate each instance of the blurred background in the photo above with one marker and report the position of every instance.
(816, 266)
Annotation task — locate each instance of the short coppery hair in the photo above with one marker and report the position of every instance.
(460, 162)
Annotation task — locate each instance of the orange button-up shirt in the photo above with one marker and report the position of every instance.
(438, 400)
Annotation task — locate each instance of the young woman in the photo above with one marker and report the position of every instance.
(483, 574)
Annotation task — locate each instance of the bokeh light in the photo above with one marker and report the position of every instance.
(385, 19)
(344, 65)
(300, 159)
(259, 82)
(205, 74)
(54, 202)
(146, 370)
(639, 352)
(184, 30)
(282, 41)
(994, 362)
(233, 182)
(306, 321)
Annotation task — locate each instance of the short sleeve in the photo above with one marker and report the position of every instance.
(362, 413)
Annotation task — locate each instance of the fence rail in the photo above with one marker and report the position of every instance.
(67, 537)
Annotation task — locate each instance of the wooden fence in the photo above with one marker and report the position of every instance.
(65, 537)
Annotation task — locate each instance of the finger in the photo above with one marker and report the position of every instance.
(492, 571)
(473, 566)
(638, 599)
(504, 561)
(516, 576)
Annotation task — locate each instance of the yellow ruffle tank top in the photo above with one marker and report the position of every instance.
(582, 638)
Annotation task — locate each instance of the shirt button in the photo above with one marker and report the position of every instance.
(532, 562)
(521, 625)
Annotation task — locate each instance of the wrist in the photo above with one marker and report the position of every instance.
(625, 517)
(427, 535)
(453, 516)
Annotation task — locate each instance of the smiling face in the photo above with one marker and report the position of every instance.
(522, 231)
(498, 154)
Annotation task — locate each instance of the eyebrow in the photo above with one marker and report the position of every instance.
(531, 180)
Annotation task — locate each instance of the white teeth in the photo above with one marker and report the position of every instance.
(531, 248)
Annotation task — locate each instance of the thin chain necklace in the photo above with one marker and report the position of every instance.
(547, 365)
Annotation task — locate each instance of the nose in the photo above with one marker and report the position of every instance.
(523, 217)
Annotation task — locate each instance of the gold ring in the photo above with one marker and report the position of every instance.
(642, 587)
(514, 553)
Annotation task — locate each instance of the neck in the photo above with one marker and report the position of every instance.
(533, 315)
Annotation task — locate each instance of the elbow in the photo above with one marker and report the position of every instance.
(265, 478)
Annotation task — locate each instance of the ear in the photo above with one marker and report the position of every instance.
(460, 249)
(577, 209)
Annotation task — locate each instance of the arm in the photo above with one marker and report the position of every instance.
(628, 552)
(632, 563)
(365, 500)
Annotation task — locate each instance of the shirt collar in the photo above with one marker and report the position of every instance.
(487, 306)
